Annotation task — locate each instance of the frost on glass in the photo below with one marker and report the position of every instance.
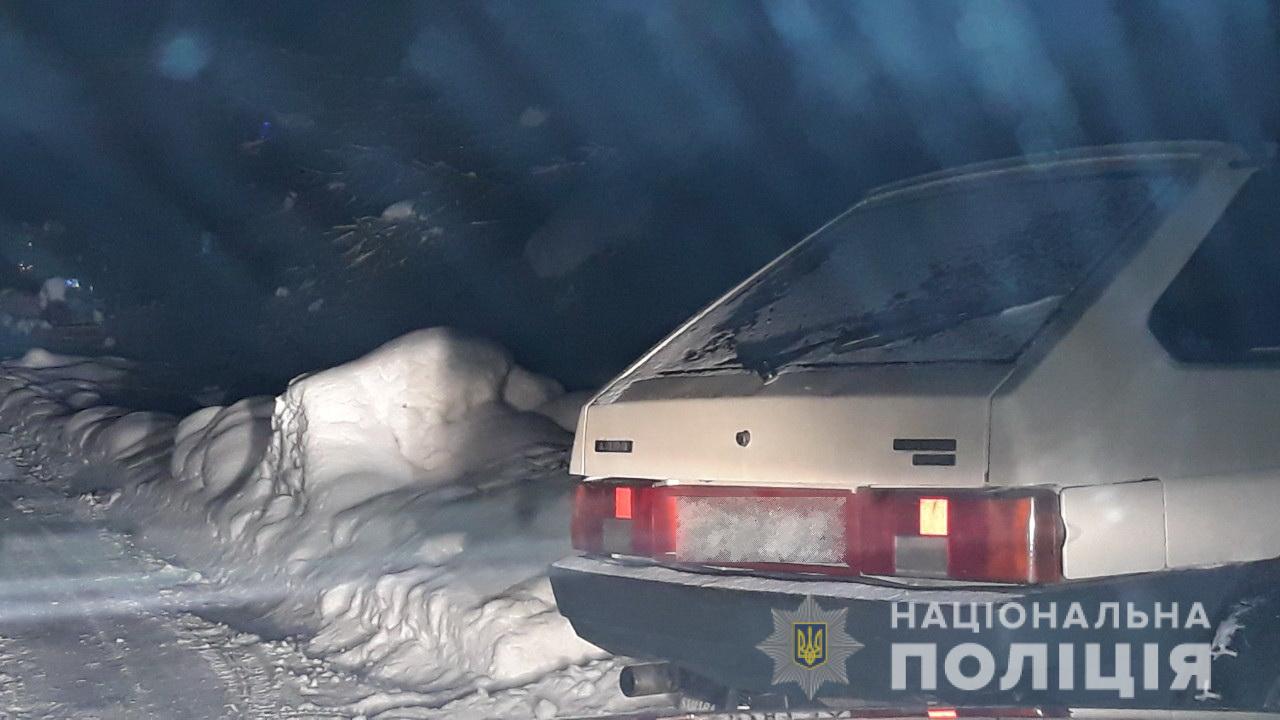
(969, 272)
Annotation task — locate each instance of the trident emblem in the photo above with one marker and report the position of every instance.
(811, 644)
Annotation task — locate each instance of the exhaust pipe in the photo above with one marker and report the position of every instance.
(648, 679)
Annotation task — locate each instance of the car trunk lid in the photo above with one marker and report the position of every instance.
(922, 425)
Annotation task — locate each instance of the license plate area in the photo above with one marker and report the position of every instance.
(734, 530)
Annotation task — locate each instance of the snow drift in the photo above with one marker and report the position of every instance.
(398, 511)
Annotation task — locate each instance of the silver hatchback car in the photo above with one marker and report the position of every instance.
(983, 441)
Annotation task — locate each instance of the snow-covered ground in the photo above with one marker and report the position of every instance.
(92, 627)
(393, 518)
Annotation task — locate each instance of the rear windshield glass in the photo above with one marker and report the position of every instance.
(969, 273)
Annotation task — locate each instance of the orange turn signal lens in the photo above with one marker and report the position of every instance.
(933, 516)
(622, 504)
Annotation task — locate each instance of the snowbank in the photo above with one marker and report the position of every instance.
(398, 511)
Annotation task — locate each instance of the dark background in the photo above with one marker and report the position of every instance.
(581, 175)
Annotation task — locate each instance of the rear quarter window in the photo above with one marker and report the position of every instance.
(1224, 305)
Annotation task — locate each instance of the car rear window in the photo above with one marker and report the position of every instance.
(966, 273)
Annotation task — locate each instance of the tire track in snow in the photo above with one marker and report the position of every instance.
(84, 664)
(74, 645)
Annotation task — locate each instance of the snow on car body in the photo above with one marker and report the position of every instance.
(1019, 380)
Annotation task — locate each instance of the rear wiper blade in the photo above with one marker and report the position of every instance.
(844, 341)
(855, 340)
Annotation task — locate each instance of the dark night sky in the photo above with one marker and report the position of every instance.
(583, 175)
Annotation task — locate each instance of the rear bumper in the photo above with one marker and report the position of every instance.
(711, 624)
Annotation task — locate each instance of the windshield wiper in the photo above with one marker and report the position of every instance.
(857, 339)
(845, 340)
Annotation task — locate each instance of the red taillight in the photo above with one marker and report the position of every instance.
(991, 536)
(974, 534)
(592, 504)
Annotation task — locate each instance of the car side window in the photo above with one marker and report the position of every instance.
(1224, 305)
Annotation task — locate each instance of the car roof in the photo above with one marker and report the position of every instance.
(1127, 154)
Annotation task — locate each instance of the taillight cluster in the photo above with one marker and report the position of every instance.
(983, 535)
